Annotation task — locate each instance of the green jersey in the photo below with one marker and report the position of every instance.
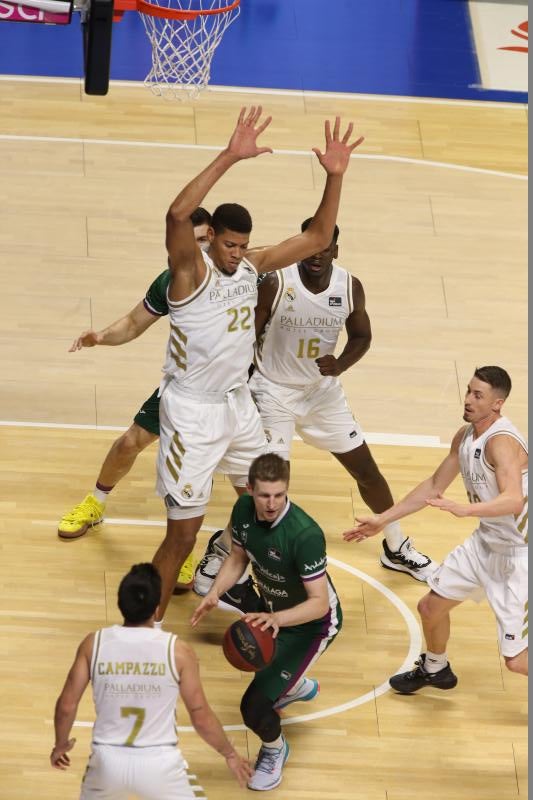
(285, 556)
(155, 301)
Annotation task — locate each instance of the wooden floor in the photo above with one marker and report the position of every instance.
(433, 221)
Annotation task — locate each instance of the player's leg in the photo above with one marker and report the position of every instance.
(399, 553)
(458, 578)
(117, 463)
(171, 554)
(506, 588)
(326, 421)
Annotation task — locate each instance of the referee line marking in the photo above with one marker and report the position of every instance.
(215, 148)
(415, 643)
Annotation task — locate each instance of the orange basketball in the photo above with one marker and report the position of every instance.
(246, 648)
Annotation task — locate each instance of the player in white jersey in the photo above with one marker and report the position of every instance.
(300, 313)
(137, 674)
(491, 456)
(208, 418)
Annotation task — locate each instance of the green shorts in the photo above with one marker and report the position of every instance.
(147, 416)
(296, 649)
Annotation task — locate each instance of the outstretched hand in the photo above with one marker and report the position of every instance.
(243, 142)
(368, 526)
(209, 602)
(336, 157)
(86, 339)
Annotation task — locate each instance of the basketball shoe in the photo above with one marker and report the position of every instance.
(269, 766)
(407, 559)
(242, 598)
(210, 563)
(418, 678)
(85, 515)
(306, 689)
(186, 576)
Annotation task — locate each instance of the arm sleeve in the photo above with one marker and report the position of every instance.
(310, 553)
(155, 301)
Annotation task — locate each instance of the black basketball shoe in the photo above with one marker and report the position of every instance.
(241, 598)
(213, 558)
(407, 559)
(418, 678)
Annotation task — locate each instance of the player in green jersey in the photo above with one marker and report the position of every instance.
(287, 551)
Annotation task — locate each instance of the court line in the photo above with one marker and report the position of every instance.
(296, 93)
(415, 644)
(9, 137)
(390, 439)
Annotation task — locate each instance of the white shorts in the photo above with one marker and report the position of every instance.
(224, 434)
(319, 413)
(503, 577)
(151, 773)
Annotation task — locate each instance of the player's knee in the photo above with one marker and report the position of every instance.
(426, 608)
(518, 664)
(366, 472)
(132, 442)
(258, 714)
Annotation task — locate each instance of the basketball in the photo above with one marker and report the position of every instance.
(246, 648)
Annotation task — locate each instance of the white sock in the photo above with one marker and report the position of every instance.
(393, 536)
(435, 661)
(101, 494)
(277, 744)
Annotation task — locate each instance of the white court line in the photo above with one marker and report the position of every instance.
(415, 644)
(390, 439)
(216, 148)
(297, 93)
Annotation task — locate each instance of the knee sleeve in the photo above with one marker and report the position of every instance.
(258, 714)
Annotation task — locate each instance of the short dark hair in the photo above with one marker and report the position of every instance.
(231, 217)
(139, 593)
(306, 223)
(268, 467)
(200, 217)
(496, 377)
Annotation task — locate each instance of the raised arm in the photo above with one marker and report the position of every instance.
(123, 330)
(185, 259)
(68, 701)
(504, 454)
(203, 718)
(318, 235)
(417, 499)
(359, 336)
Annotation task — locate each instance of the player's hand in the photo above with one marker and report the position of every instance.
(243, 142)
(209, 602)
(336, 157)
(241, 768)
(86, 339)
(457, 509)
(58, 756)
(328, 365)
(264, 620)
(368, 526)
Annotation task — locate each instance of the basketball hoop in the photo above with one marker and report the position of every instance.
(184, 35)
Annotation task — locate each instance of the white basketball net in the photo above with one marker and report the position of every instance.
(182, 50)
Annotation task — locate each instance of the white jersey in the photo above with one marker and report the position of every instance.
(212, 332)
(303, 326)
(135, 687)
(481, 486)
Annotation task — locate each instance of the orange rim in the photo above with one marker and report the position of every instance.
(144, 7)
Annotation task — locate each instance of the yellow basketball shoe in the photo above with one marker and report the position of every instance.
(82, 517)
(186, 576)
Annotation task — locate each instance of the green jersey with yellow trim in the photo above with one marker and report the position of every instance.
(285, 556)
